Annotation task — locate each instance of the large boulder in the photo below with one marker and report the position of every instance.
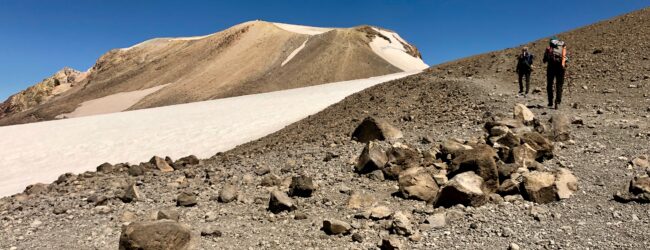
(539, 187)
(465, 189)
(480, 160)
(560, 127)
(279, 202)
(523, 114)
(523, 155)
(539, 143)
(400, 157)
(375, 129)
(373, 157)
(161, 234)
(453, 147)
(417, 183)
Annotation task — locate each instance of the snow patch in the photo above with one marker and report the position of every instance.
(307, 30)
(295, 52)
(110, 104)
(40, 152)
(395, 53)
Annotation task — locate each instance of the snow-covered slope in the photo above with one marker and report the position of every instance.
(40, 152)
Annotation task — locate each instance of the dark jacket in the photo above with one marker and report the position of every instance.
(525, 62)
(553, 64)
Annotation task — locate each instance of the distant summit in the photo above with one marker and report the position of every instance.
(248, 58)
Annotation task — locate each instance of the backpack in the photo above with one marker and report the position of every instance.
(558, 52)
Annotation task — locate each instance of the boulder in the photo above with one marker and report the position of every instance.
(161, 234)
(136, 170)
(186, 199)
(228, 194)
(391, 243)
(499, 130)
(539, 187)
(373, 157)
(506, 170)
(453, 147)
(333, 227)
(523, 155)
(161, 164)
(523, 114)
(35, 189)
(302, 186)
(509, 187)
(480, 160)
(372, 129)
(403, 155)
(185, 162)
(640, 185)
(560, 127)
(566, 183)
(105, 168)
(417, 183)
(465, 189)
(509, 140)
(539, 143)
(379, 212)
(280, 202)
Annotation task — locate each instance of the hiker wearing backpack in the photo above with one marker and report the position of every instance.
(524, 68)
(556, 59)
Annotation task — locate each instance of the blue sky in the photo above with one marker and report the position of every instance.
(37, 38)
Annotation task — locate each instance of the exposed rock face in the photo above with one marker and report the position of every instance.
(161, 234)
(465, 189)
(41, 92)
(375, 129)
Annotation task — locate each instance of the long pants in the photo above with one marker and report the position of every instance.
(557, 74)
(522, 75)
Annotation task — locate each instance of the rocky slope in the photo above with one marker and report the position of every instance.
(248, 58)
(300, 188)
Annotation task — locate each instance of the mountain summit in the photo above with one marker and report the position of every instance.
(248, 58)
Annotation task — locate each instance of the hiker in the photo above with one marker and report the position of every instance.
(556, 58)
(524, 68)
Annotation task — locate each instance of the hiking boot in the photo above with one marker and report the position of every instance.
(557, 106)
(550, 105)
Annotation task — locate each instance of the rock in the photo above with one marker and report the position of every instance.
(128, 216)
(262, 170)
(280, 202)
(300, 216)
(185, 162)
(480, 160)
(401, 225)
(379, 212)
(333, 227)
(499, 130)
(539, 187)
(330, 156)
(35, 189)
(641, 162)
(391, 243)
(302, 186)
(102, 209)
(513, 246)
(105, 168)
(375, 129)
(523, 155)
(60, 210)
(437, 220)
(211, 231)
(453, 147)
(523, 114)
(357, 237)
(228, 194)
(376, 175)
(168, 214)
(509, 187)
(359, 200)
(640, 185)
(136, 170)
(417, 183)
(505, 170)
(465, 189)
(508, 122)
(131, 193)
(162, 234)
(403, 155)
(540, 144)
(270, 180)
(186, 199)
(161, 164)
(566, 183)
(373, 157)
(560, 127)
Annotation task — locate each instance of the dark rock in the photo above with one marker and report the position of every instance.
(161, 164)
(417, 183)
(375, 129)
(480, 160)
(228, 194)
(333, 227)
(465, 189)
(136, 170)
(539, 187)
(186, 199)
(302, 186)
(105, 168)
(540, 144)
(168, 214)
(373, 157)
(280, 202)
(131, 193)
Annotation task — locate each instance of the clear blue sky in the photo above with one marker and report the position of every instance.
(37, 38)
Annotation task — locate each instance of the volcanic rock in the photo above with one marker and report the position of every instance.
(375, 129)
(333, 227)
(417, 183)
(465, 189)
(302, 186)
(373, 157)
(279, 202)
(161, 234)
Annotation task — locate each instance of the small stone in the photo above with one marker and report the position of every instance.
(356, 237)
(211, 231)
(302, 186)
(523, 114)
(280, 202)
(438, 220)
(513, 246)
(375, 129)
(391, 243)
(373, 157)
(417, 183)
(401, 224)
(168, 214)
(131, 193)
(105, 168)
(465, 189)
(380, 212)
(161, 164)
(540, 187)
(300, 216)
